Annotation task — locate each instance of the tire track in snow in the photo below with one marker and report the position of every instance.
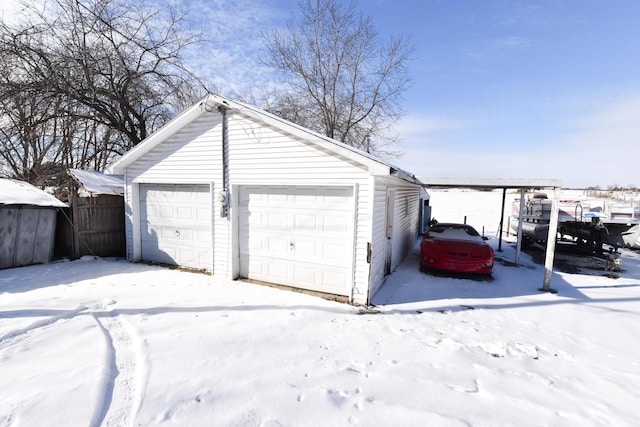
(123, 375)
(19, 335)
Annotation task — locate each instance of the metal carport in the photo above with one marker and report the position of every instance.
(513, 183)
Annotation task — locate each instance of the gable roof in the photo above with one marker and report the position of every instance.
(14, 192)
(214, 102)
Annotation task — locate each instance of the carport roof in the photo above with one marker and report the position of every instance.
(491, 182)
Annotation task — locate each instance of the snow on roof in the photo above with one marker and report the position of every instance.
(14, 192)
(96, 182)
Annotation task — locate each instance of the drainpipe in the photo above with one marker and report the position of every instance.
(223, 196)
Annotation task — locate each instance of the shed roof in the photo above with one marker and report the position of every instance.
(214, 102)
(14, 192)
(96, 182)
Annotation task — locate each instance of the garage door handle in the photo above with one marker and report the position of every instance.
(292, 246)
(177, 233)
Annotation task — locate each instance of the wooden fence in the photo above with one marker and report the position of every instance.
(98, 224)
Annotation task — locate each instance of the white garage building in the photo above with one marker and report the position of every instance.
(231, 189)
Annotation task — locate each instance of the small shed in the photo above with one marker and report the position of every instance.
(231, 189)
(27, 224)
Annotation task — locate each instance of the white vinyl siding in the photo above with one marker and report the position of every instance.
(404, 224)
(192, 155)
(258, 153)
(262, 155)
(378, 238)
(362, 238)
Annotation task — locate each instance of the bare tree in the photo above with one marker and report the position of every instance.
(25, 146)
(342, 80)
(97, 76)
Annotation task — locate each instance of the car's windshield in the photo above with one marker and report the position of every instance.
(452, 231)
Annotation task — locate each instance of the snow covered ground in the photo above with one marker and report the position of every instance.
(103, 342)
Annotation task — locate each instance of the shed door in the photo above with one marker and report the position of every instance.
(175, 223)
(297, 236)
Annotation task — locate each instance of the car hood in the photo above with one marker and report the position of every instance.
(461, 247)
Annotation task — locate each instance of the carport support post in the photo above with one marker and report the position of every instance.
(551, 243)
(504, 196)
(520, 217)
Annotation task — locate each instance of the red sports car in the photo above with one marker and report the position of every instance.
(455, 248)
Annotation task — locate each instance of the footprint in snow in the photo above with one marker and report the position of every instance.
(475, 388)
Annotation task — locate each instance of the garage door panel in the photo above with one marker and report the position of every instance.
(256, 245)
(187, 234)
(164, 256)
(336, 253)
(204, 214)
(306, 222)
(305, 275)
(322, 223)
(337, 225)
(335, 276)
(276, 246)
(186, 213)
(165, 232)
(204, 237)
(279, 272)
(277, 220)
(297, 236)
(306, 250)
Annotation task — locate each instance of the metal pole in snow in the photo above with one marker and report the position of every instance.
(551, 244)
(519, 238)
(504, 195)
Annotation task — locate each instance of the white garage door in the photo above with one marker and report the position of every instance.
(297, 236)
(175, 223)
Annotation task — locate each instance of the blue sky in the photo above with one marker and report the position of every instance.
(547, 89)
(502, 88)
